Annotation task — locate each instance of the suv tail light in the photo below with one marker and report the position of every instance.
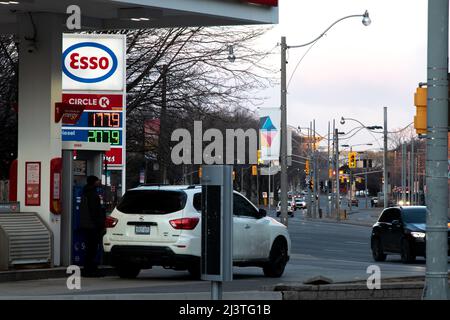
(184, 223)
(110, 222)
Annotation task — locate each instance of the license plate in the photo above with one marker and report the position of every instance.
(142, 229)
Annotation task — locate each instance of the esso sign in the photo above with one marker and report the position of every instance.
(93, 62)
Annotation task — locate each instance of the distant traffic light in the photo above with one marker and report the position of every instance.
(254, 170)
(260, 161)
(352, 160)
(307, 167)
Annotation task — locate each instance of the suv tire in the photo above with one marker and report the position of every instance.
(377, 250)
(407, 252)
(277, 259)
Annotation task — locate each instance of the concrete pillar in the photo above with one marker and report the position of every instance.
(39, 88)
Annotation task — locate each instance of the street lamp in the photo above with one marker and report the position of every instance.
(284, 47)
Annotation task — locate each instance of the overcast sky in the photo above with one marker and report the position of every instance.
(354, 71)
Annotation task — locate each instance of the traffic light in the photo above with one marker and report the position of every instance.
(260, 161)
(254, 170)
(420, 119)
(307, 167)
(311, 184)
(200, 172)
(352, 160)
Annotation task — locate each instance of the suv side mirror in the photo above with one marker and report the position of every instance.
(262, 213)
(396, 223)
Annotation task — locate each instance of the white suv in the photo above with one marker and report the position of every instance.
(160, 226)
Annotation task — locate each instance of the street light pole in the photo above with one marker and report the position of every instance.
(283, 108)
(336, 135)
(328, 172)
(385, 160)
(436, 277)
(284, 187)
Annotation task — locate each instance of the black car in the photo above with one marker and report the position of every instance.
(400, 230)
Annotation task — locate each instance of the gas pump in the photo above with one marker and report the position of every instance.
(80, 160)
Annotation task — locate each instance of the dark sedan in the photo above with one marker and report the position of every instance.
(400, 230)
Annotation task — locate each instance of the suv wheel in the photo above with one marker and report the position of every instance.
(407, 252)
(377, 250)
(128, 271)
(277, 260)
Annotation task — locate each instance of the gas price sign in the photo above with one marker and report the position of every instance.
(93, 76)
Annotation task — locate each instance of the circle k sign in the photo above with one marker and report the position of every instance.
(93, 62)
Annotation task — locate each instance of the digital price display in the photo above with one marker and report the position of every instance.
(104, 119)
(106, 136)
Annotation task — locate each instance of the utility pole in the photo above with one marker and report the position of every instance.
(336, 134)
(328, 172)
(403, 173)
(385, 160)
(366, 190)
(284, 197)
(411, 174)
(308, 176)
(436, 277)
(333, 183)
(163, 140)
(316, 169)
(350, 186)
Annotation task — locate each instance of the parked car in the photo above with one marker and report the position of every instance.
(300, 203)
(290, 209)
(161, 226)
(400, 230)
(354, 202)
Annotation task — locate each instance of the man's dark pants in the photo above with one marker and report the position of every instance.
(93, 239)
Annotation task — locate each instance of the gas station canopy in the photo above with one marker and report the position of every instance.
(38, 26)
(112, 14)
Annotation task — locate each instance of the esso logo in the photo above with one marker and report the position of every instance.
(89, 62)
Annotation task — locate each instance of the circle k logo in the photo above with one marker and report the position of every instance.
(103, 102)
(89, 62)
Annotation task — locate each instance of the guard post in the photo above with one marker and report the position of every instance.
(217, 227)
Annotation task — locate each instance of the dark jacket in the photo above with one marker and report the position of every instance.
(92, 215)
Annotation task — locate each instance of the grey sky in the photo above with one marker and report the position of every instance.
(354, 70)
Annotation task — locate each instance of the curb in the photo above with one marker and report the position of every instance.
(238, 295)
(40, 274)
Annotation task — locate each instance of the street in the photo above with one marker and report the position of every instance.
(339, 251)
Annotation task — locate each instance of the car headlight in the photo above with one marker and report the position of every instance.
(420, 235)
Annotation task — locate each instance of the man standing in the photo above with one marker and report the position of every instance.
(92, 224)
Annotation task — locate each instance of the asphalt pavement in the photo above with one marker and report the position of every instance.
(339, 251)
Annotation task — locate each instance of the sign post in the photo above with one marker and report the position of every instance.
(217, 227)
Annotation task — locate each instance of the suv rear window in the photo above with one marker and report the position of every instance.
(152, 202)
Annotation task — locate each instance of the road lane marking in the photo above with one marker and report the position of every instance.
(356, 242)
